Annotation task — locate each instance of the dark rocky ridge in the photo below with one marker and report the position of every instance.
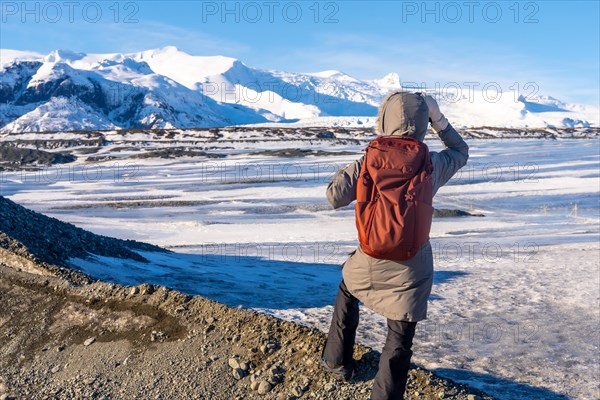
(452, 213)
(177, 152)
(48, 240)
(12, 157)
(18, 150)
(287, 153)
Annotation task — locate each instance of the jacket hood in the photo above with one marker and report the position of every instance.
(403, 114)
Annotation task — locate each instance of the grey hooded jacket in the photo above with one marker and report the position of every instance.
(397, 290)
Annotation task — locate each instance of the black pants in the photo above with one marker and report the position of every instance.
(390, 381)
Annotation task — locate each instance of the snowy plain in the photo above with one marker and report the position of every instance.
(515, 304)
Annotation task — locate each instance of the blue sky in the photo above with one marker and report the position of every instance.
(554, 44)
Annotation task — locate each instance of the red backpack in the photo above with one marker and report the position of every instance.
(394, 197)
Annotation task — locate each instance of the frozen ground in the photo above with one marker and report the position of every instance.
(515, 305)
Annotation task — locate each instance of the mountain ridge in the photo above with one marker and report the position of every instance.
(168, 88)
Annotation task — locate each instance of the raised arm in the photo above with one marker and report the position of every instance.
(448, 161)
(341, 191)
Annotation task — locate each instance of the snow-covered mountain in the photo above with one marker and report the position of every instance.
(166, 87)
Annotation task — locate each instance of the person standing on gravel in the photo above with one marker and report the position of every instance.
(396, 289)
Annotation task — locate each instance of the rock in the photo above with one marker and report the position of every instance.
(60, 348)
(134, 290)
(4, 397)
(473, 397)
(147, 288)
(180, 309)
(157, 336)
(264, 387)
(276, 370)
(297, 391)
(89, 341)
(329, 387)
(244, 366)
(55, 369)
(214, 357)
(233, 363)
(305, 383)
(238, 374)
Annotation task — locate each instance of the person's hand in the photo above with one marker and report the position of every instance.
(437, 119)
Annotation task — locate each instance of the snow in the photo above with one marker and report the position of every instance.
(188, 70)
(514, 308)
(7, 56)
(390, 81)
(234, 93)
(277, 106)
(59, 114)
(507, 112)
(333, 75)
(56, 70)
(325, 74)
(347, 122)
(63, 55)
